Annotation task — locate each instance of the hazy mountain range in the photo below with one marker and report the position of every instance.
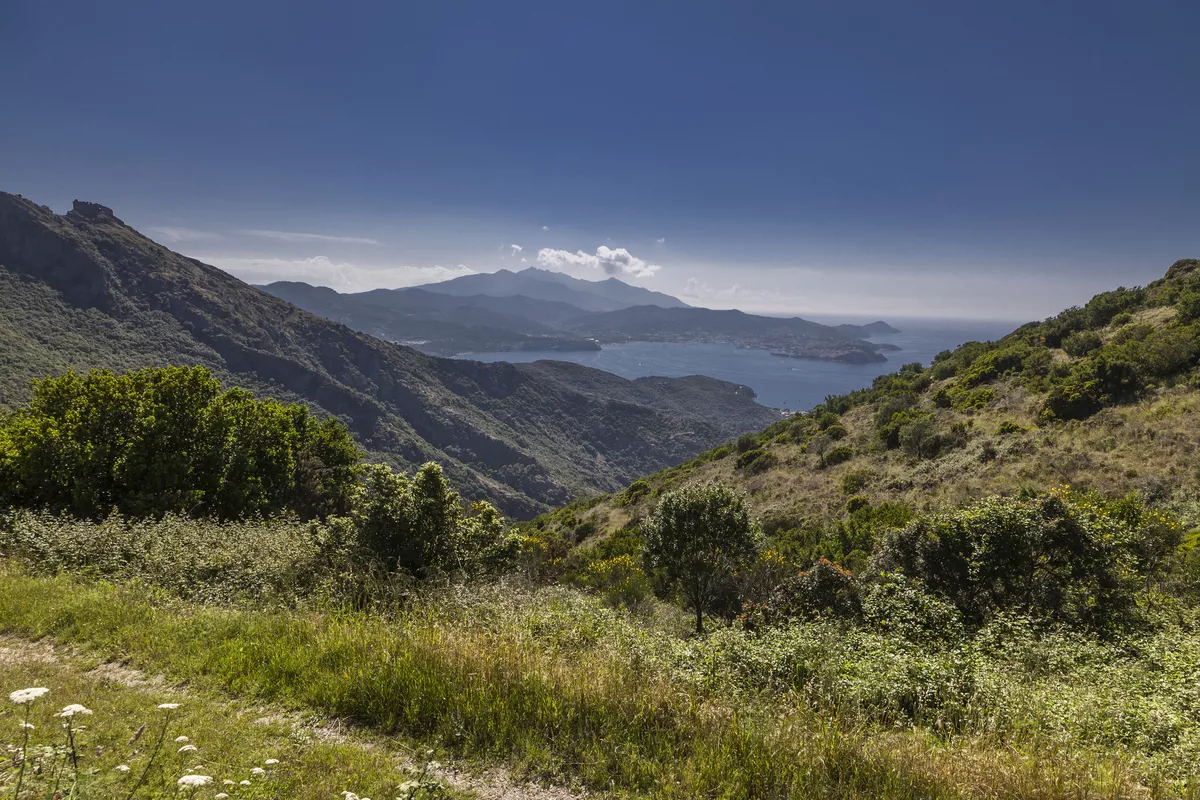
(540, 310)
(83, 290)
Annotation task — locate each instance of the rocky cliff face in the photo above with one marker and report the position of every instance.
(83, 290)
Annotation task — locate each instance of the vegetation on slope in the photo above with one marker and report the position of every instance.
(1101, 397)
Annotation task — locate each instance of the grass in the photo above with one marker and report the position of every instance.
(573, 693)
(127, 728)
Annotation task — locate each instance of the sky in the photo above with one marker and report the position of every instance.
(972, 160)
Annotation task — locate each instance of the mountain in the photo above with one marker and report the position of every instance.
(451, 324)
(83, 290)
(441, 324)
(785, 336)
(540, 284)
(1102, 397)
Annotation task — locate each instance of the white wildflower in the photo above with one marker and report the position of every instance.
(195, 781)
(220, 796)
(244, 783)
(27, 726)
(228, 782)
(168, 706)
(182, 740)
(271, 762)
(187, 748)
(23, 696)
(73, 710)
(121, 768)
(258, 771)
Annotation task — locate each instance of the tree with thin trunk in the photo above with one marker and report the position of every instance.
(701, 536)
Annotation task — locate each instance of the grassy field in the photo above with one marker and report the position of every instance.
(562, 689)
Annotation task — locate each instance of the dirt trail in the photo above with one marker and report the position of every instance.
(495, 783)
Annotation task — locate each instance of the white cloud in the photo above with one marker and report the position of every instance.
(617, 261)
(291, 236)
(168, 233)
(661, 239)
(545, 227)
(342, 276)
(516, 248)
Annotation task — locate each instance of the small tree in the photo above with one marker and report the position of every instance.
(701, 536)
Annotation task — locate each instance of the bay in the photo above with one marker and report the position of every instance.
(785, 383)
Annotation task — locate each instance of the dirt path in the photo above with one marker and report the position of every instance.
(495, 783)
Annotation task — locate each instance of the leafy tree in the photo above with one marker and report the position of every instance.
(700, 537)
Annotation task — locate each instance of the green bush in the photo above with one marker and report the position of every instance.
(419, 524)
(1066, 558)
(824, 588)
(1081, 343)
(747, 442)
(838, 455)
(752, 462)
(161, 441)
(1188, 305)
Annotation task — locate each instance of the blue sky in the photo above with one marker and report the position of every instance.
(955, 159)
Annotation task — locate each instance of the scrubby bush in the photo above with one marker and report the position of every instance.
(837, 455)
(823, 588)
(747, 442)
(1081, 343)
(419, 525)
(752, 462)
(1063, 557)
(161, 441)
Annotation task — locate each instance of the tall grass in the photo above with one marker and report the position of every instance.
(573, 710)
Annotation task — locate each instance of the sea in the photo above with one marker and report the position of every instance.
(788, 384)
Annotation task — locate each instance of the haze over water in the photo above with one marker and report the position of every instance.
(785, 383)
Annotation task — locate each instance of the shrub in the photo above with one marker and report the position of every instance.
(161, 441)
(1008, 426)
(752, 462)
(837, 455)
(620, 580)
(747, 442)
(857, 480)
(823, 588)
(419, 524)
(902, 606)
(1188, 305)
(1062, 557)
(1081, 343)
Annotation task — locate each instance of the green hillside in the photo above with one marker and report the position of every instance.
(83, 290)
(1105, 396)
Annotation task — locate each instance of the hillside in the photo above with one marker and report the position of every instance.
(1105, 396)
(83, 290)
